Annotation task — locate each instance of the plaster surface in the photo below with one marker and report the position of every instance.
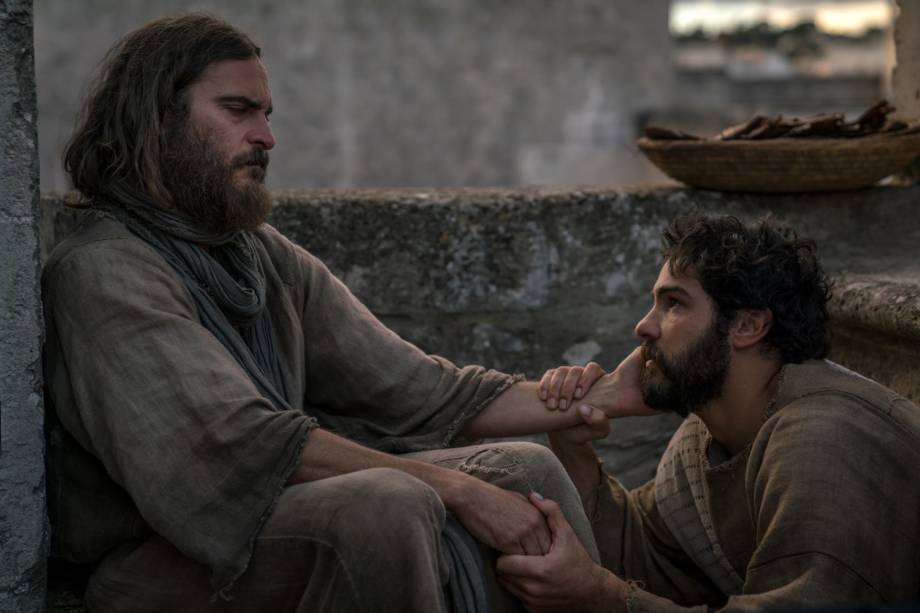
(410, 92)
(23, 526)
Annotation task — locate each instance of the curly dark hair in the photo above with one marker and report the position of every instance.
(117, 148)
(764, 265)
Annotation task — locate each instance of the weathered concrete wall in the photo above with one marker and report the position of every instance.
(411, 92)
(526, 279)
(23, 528)
(878, 326)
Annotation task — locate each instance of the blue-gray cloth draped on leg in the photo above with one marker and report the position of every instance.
(466, 588)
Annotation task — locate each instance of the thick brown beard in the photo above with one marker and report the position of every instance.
(690, 379)
(202, 184)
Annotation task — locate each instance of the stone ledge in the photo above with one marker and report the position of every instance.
(877, 327)
(526, 278)
(886, 302)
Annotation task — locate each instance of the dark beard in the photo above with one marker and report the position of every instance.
(692, 378)
(201, 184)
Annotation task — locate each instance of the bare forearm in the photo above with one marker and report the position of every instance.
(518, 411)
(503, 520)
(328, 455)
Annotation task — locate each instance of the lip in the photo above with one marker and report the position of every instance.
(253, 172)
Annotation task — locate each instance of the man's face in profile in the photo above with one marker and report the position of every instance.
(685, 346)
(218, 155)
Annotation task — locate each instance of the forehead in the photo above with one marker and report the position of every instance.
(235, 77)
(686, 283)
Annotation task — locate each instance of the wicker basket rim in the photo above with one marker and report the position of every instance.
(875, 141)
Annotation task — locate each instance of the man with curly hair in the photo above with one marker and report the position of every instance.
(792, 482)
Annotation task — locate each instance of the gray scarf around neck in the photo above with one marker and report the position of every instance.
(227, 283)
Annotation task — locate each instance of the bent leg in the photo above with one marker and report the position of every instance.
(365, 541)
(524, 468)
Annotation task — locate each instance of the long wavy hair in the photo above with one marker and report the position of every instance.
(116, 151)
(765, 265)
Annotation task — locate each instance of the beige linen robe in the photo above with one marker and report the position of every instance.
(156, 428)
(822, 508)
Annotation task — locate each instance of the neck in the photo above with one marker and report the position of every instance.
(735, 417)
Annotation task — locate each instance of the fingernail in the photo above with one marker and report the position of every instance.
(563, 403)
(537, 495)
(552, 403)
(584, 409)
(578, 392)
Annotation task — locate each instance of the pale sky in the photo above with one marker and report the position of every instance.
(839, 17)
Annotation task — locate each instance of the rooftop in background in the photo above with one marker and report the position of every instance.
(748, 39)
(839, 17)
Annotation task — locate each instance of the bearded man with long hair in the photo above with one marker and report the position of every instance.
(230, 429)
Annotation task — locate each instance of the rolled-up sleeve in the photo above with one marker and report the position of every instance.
(368, 384)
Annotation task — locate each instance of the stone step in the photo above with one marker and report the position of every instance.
(877, 327)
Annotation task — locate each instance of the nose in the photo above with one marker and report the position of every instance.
(261, 134)
(647, 329)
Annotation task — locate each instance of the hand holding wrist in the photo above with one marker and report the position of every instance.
(619, 394)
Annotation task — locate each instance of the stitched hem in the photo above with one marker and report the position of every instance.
(632, 596)
(451, 436)
(850, 569)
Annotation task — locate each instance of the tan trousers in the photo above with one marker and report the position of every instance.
(366, 541)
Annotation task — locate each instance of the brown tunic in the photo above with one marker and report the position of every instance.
(822, 508)
(161, 430)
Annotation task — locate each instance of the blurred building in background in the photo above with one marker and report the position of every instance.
(478, 93)
(737, 58)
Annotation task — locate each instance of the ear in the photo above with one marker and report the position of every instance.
(749, 327)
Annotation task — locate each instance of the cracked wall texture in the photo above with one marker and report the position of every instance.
(23, 528)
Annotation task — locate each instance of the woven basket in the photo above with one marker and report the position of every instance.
(783, 164)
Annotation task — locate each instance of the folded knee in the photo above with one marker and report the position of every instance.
(515, 457)
(391, 492)
(536, 458)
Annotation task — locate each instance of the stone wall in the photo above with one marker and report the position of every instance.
(526, 279)
(23, 528)
(410, 92)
